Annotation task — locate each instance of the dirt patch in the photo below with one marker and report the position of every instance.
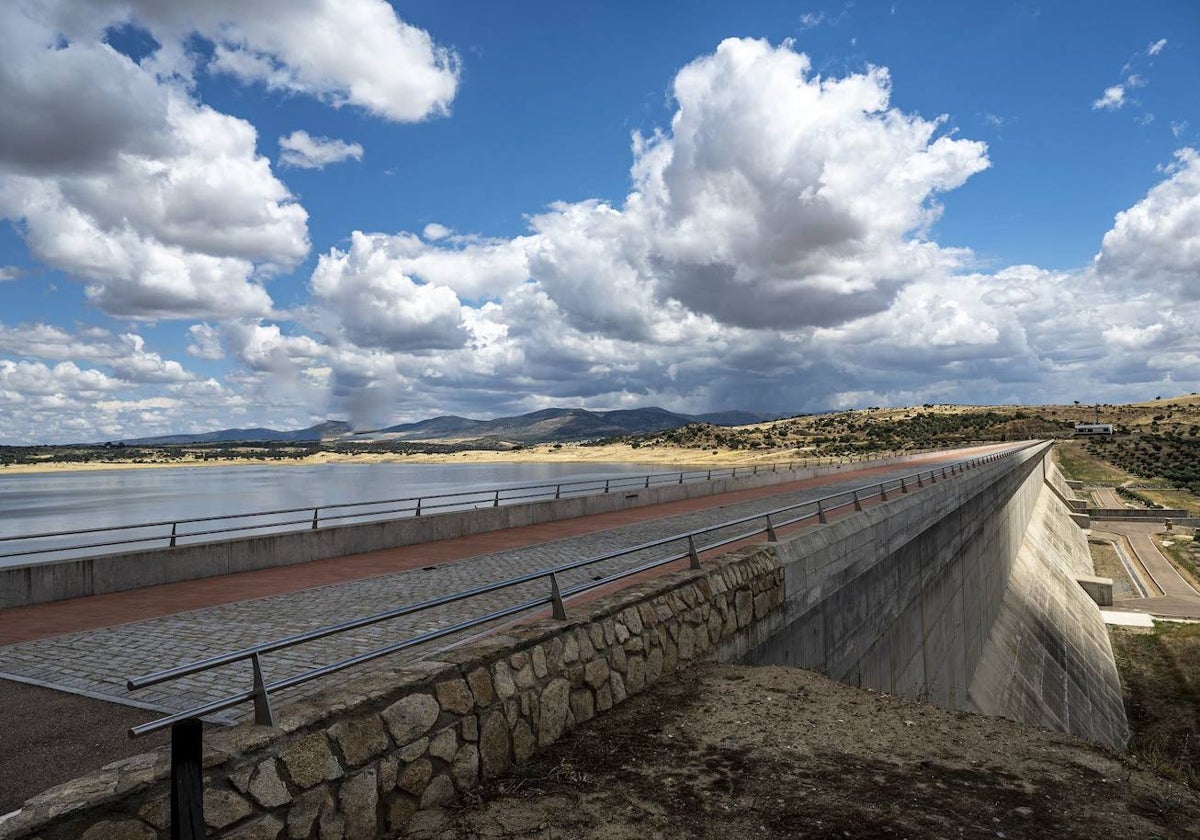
(731, 752)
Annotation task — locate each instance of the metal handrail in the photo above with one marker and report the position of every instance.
(416, 505)
(260, 693)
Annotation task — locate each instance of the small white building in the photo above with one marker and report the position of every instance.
(1093, 428)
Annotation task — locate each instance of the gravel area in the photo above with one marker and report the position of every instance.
(38, 722)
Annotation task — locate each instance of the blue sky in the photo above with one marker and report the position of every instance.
(493, 208)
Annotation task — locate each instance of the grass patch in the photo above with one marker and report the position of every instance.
(1107, 564)
(1174, 499)
(1077, 464)
(1183, 552)
(1160, 679)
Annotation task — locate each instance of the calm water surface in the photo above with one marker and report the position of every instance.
(47, 502)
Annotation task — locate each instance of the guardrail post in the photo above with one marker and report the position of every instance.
(314, 522)
(857, 501)
(821, 513)
(558, 491)
(920, 483)
(419, 506)
(693, 557)
(263, 714)
(606, 485)
(556, 602)
(944, 473)
(709, 476)
(734, 473)
(172, 545)
(771, 535)
(903, 485)
(187, 781)
(681, 478)
(882, 493)
(933, 477)
(647, 483)
(755, 470)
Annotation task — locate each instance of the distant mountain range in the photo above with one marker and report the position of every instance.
(548, 425)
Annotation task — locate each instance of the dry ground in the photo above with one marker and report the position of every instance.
(729, 752)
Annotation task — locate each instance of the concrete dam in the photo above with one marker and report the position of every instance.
(967, 591)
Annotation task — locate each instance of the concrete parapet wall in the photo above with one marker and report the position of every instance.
(943, 595)
(58, 580)
(1135, 514)
(363, 760)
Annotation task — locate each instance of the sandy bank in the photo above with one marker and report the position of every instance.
(543, 453)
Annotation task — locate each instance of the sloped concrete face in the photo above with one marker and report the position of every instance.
(1048, 660)
(963, 594)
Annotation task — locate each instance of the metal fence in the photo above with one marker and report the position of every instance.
(173, 532)
(678, 547)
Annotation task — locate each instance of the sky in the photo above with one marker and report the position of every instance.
(231, 214)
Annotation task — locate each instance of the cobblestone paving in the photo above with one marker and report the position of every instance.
(98, 662)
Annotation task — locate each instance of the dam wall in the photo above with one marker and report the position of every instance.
(961, 592)
(964, 595)
(57, 580)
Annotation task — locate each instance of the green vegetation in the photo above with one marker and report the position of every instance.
(1160, 678)
(1172, 457)
(870, 430)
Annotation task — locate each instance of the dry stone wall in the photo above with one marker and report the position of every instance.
(368, 758)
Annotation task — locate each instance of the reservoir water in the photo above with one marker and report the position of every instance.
(33, 503)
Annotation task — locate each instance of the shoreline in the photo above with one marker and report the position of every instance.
(621, 453)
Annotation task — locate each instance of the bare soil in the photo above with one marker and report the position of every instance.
(732, 752)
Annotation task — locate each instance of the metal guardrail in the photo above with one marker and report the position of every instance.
(261, 690)
(315, 517)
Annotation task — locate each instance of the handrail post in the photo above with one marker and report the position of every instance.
(709, 478)
(558, 491)
(418, 507)
(606, 485)
(647, 487)
(556, 602)
(263, 714)
(755, 470)
(933, 477)
(172, 545)
(187, 780)
(882, 493)
(681, 478)
(771, 535)
(903, 485)
(314, 522)
(857, 501)
(944, 473)
(734, 474)
(821, 513)
(693, 557)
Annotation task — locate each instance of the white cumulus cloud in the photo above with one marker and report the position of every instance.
(304, 151)
(1112, 99)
